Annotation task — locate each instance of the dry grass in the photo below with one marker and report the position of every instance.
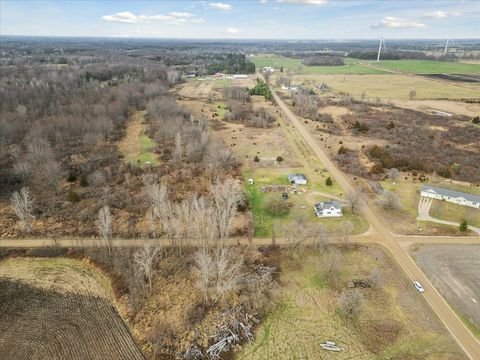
(393, 323)
(136, 147)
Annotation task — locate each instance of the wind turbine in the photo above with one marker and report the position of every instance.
(380, 48)
(446, 46)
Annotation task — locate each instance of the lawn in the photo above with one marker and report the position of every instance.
(408, 192)
(428, 66)
(388, 86)
(302, 202)
(352, 66)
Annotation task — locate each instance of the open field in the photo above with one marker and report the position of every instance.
(427, 66)
(394, 322)
(453, 269)
(295, 65)
(136, 147)
(452, 107)
(388, 86)
(59, 309)
(279, 140)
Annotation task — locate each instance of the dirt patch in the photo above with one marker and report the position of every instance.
(453, 269)
(59, 309)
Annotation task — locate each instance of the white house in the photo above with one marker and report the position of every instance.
(268, 69)
(297, 179)
(328, 209)
(452, 196)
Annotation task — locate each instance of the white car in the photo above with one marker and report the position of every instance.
(418, 286)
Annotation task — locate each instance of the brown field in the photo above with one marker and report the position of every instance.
(453, 270)
(394, 322)
(59, 309)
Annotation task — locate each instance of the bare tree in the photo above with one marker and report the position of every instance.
(332, 266)
(346, 227)
(104, 225)
(350, 303)
(320, 236)
(157, 197)
(226, 196)
(221, 157)
(145, 260)
(393, 174)
(389, 201)
(177, 152)
(353, 199)
(218, 272)
(376, 278)
(22, 204)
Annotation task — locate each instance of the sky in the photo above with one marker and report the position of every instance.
(246, 19)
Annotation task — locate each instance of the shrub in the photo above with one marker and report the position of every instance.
(376, 169)
(71, 177)
(342, 150)
(390, 126)
(279, 158)
(445, 172)
(362, 127)
(256, 158)
(278, 207)
(463, 225)
(329, 181)
(476, 120)
(73, 197)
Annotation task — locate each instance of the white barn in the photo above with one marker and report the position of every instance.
(297, 179)
(328, 209)
(452, 196)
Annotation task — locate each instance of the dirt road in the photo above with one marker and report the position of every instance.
(452, 322)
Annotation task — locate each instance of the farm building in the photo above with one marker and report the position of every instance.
(328, 209)
(240, 76)
(297, 179)
(268, 69)
(455, 197)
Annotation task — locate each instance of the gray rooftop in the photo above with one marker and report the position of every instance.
(296, 176)
(451, 193)
(325, 205)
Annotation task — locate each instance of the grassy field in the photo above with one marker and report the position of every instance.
(393, 323)
(389, 86)
(136, 147)
(352, 66)
(428, 66)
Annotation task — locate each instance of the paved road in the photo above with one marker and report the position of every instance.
(452, 322)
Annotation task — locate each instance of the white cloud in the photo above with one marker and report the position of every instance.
(263, 1)
(174, 18)
(220, 6)
(397, 23)
(181, 14)
(306, 2)
(441, 14)
(232, 30)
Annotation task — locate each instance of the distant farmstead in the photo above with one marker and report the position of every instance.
(297, 179)
(452, 196)
(328, 209)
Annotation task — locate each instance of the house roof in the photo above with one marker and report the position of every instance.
(326, 205)
(450, 193)
(293, 177)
